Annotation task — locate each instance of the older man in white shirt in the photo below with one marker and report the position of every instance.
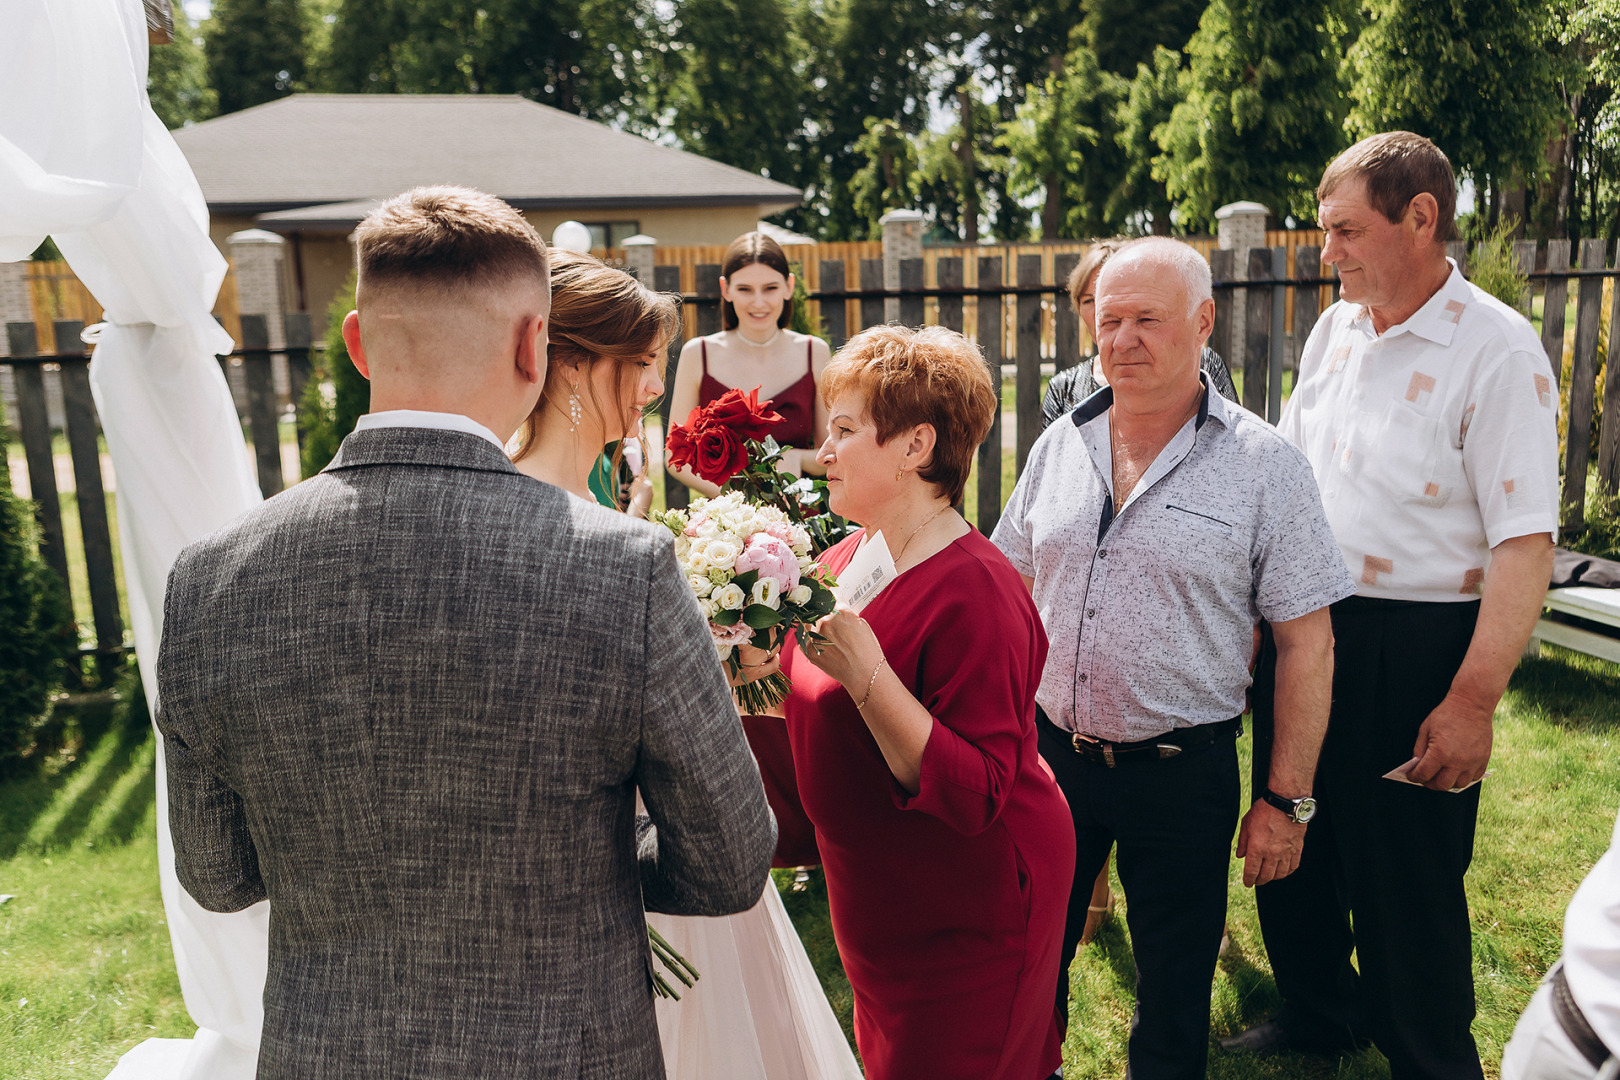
(1427, 410)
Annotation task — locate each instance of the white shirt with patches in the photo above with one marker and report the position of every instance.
(1432, 442)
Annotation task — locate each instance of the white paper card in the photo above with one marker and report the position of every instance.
(1400, 775)
(867, 574)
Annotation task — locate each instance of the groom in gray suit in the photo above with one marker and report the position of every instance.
(411, 701)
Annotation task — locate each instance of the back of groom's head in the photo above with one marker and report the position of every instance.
(447, 238)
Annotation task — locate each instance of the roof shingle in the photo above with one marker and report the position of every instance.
(323, 148)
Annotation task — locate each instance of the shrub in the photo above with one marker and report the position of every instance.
(801, 322)
(1490, 262)
(337, 395)
(37, 633)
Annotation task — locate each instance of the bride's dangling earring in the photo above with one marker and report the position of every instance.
(573, 409)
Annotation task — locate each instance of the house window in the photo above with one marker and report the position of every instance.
(611, 234)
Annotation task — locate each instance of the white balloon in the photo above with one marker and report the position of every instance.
(571, 236)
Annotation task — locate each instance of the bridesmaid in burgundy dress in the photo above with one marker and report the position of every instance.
(947, 845)
(756, 348)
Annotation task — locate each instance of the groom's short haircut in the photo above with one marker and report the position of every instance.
(448, 238)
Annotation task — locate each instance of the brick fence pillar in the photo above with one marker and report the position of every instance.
(1240, 226)
(902, 239)
(256, 262)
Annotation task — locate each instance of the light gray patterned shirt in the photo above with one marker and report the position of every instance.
(1150, 609)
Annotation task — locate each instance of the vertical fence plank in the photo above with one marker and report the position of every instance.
(991, 329)
(707, 277)
(1552, 307)
(667, 279)
(34, 425)
(1582, 380)
(1257, 319)
(1307, 298)
(1524, 258)
(1457, 252)
(834, 313)
(1279, 340)
(1609, 434)
(948, 273)
(1222, 266)
(911, 280)
(1027, 337)
(300, 338)
(871, 306)
(261, 403)
(83, 431)
(1065, 323)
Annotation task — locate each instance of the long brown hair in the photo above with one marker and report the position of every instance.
(747, 249)
(598, 314)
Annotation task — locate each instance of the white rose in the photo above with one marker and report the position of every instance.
(766, 591)
(701, 585)
(805, 563)
(706, 528)
(683, 547)
(722, 553)
(799, 595)
(722, 650)
(708, 607)
(696, 562)
(730, 597)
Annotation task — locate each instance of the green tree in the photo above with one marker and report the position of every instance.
(1125, 33)
(1263, 110)
(337, 395)
(739, 91)
(1592, 33)
(1481, 80)
(256, 51)
(1154, 94)
(177, 77)
(594, 58)
(886, 180)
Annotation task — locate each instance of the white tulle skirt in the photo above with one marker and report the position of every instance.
(758, 1012)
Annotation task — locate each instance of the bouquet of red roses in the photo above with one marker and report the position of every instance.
(728, 442)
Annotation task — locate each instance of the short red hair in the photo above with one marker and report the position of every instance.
(930, 375)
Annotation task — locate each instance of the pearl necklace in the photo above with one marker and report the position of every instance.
(767, 343)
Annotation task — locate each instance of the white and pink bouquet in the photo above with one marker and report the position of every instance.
(752, 572)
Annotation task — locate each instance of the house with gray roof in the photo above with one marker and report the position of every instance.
(310, 166)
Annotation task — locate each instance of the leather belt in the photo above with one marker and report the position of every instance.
(1168, 745)
(1574, 1022)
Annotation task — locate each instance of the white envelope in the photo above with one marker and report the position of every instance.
(1399, 774)
(867, 574)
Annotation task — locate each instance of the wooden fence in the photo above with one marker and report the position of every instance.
(57, 295)
(1014, 307)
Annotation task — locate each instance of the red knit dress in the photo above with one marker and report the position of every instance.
(948, 905)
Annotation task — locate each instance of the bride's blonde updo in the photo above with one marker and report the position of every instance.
(598, 315)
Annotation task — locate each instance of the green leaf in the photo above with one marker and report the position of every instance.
(726, 617)
(745, 581)
(759, 616)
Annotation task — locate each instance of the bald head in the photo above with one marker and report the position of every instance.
(1154, 313)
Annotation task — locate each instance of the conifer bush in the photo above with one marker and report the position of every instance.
(337, 395)
(37, 633)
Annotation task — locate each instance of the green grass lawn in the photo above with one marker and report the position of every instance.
(86, 971)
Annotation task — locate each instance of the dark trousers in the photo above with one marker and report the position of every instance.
(1390, 856)
(1173, 820)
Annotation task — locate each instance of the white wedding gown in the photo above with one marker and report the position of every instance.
(758, 1011)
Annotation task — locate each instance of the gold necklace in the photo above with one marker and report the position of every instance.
(917, 530)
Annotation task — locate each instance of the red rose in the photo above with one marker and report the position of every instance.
(718, 454)
(743, 413)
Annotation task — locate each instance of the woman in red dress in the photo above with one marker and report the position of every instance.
(755, 348)
(947, 846)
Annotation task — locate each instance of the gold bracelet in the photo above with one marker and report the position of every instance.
(869, 683)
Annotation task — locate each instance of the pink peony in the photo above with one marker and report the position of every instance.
(772, 558)
(739, 633)
(782, 530)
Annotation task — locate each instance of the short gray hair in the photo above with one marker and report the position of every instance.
(1180, 258)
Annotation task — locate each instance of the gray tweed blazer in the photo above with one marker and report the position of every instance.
(410, 701)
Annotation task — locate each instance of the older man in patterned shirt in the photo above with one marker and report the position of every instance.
(1426, 408)
(1157, 524)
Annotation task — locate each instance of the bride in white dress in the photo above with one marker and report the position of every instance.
(758, 1012)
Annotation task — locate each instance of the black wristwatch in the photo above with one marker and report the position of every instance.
(1299, 811)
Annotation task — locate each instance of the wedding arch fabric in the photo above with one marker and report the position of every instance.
(84, 159)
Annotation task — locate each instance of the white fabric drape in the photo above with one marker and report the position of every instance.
(85, 160)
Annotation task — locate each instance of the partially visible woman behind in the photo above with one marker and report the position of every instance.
(758, 1012)
(756, 348)
(948, 848)
(1071, 386)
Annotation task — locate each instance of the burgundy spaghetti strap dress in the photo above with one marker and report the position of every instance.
(767, 735)
(948, 905)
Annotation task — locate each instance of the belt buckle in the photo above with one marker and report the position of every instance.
(1086, 742)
